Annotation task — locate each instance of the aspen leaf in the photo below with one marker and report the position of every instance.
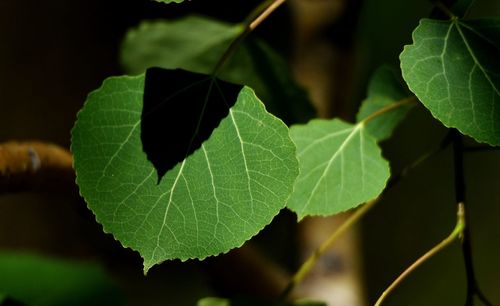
(212, 201)
(341, 167)
(453, 68)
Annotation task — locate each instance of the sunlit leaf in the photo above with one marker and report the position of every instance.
(213, 201)
(340, 167)
(453, 68)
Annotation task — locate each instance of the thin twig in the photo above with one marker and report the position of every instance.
(313, 259)
(440, 5)
(390, 107)
(355, 217)
(260, 15)
(456, 233)
(472, 284)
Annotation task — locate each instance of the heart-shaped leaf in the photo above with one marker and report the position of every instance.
(213, 201)
(453, 68)
(341, 167)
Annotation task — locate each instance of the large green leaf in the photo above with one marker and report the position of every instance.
(35, 281)
(384, 90)
(197, 43)
(340, 167)
(453, 68)
(217, 198)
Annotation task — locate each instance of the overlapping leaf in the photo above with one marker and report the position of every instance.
(384, 90)
(214, 200)
(340, 167)
(196, 44)
(453, 68)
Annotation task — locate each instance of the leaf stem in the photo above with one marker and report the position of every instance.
(315, 256)
(353, 219)
(440, 5)
(261, 13)
(456, 233)
(388, 108)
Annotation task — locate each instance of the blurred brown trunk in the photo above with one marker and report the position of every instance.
(323, 63)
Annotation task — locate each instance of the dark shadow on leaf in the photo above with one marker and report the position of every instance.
(181, 109)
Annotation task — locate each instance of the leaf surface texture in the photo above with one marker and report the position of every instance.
(213, 201)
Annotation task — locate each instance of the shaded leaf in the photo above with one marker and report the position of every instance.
(453, 68)
(384, 90)
(340, 167)
(196, 44)
(217, 198)
(185, 107)
(37, 281)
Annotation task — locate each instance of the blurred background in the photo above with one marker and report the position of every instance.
(53, 53)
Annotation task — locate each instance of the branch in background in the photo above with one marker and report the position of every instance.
(312, 260)
(34, 165)
(472, 285)
(457, 231)
(39, 166)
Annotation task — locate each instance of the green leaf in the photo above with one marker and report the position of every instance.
(214, 301)
(384, 90)
(216, 199)
(193, 43)
(197, 43)
(453, 68)
(35, 280)
(340, 167)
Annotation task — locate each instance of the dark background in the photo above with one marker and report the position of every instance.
(52, 53)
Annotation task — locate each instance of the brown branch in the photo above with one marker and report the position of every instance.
(34, 165)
